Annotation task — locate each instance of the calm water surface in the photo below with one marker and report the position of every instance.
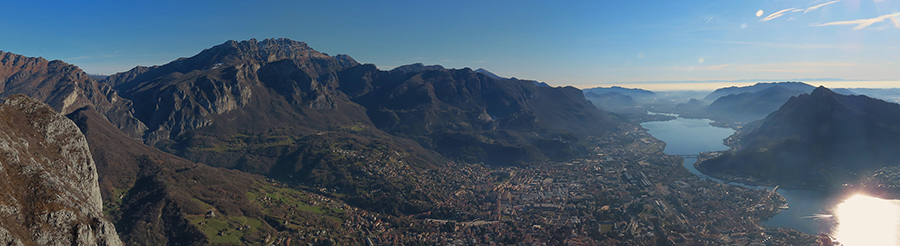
(852, 219)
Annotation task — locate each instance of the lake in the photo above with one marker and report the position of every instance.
(810, 211)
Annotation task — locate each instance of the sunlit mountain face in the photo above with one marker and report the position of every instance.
(866, 220)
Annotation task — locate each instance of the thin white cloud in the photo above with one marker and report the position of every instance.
(77, 58)
(863, 23)
(783, 11)
(819, 6)
(776, 15)
(717, 67)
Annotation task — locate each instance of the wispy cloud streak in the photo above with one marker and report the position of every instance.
(783, 11)
(819, 6)
(863, 23)
(776, 15)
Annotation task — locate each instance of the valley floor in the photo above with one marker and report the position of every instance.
(634, 195)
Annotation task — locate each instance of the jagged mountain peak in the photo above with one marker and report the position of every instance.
(822, 91)
(237, 54)
(268, 50)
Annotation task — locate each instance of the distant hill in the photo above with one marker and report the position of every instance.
(97, 77)
(816, 140)
(890, 95)
(638, 95)
(610, 100)
(747, 106)
(749, 103)
(633, 92)
(734, 90)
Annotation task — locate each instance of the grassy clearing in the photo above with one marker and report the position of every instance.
(293, 208)
(225, 230)
(118, 194)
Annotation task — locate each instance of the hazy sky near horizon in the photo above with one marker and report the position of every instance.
(580, 43)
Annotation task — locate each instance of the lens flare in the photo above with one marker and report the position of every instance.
(759, 13)
(865, 220)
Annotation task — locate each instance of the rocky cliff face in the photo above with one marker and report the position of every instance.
(48, 181)
(188, 93)
(65, 88)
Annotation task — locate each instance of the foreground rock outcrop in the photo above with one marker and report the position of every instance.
(48, 181)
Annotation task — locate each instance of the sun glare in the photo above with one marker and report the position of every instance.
(865, 220)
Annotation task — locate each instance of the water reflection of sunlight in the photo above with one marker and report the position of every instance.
(865, 220)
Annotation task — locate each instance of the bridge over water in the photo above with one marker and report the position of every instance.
(689, 156)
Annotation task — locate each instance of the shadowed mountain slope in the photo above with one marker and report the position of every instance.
(469, 115)
(817, 140)
(734, 90)
(747, 106)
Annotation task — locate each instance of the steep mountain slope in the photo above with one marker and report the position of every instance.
(65, 88)
(816, 140)
(155, 198)
(469, 115)
(48, 180)
(270, 108)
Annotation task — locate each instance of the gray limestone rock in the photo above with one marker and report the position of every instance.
(49, 193)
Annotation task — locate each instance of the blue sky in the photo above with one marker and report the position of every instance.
(580, 43)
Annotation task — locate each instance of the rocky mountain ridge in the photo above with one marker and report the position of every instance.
(65, 88)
